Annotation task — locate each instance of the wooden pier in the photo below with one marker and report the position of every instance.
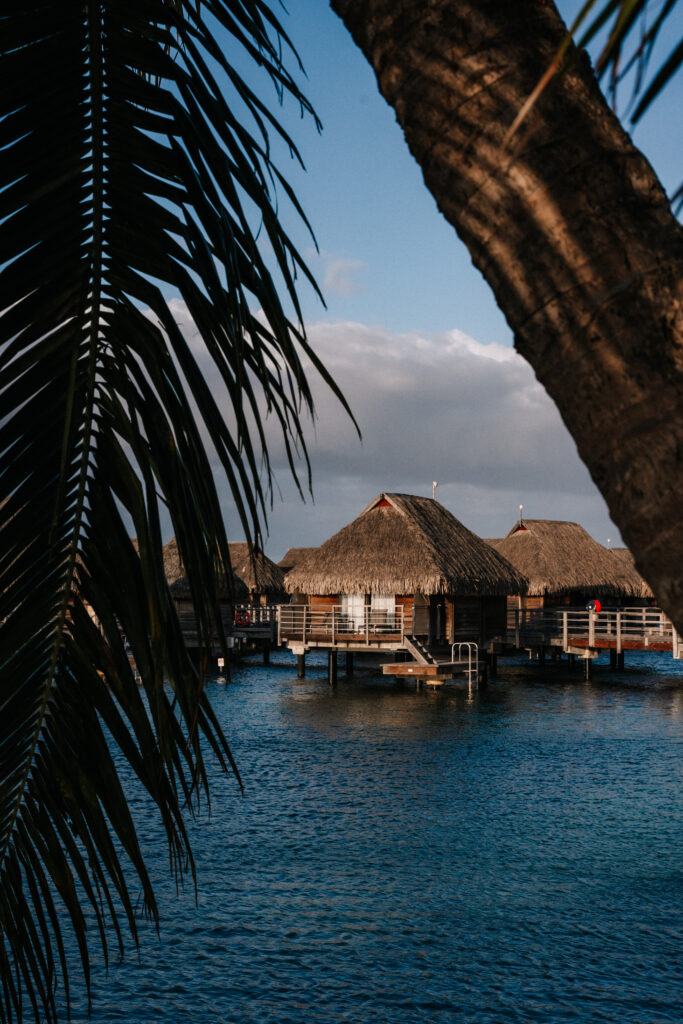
(586, 633)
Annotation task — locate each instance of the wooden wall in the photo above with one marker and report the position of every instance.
(323, 600)
(475, 618)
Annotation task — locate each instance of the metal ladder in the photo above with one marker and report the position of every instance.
(472, 658)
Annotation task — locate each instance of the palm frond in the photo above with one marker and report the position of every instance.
(129, 176)
(630, 30)
(627, 32)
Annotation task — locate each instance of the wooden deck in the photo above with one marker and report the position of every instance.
(301, 627)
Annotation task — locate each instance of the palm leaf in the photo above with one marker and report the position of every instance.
(128, 177)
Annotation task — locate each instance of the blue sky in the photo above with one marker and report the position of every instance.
(364, 194)
(411, 330)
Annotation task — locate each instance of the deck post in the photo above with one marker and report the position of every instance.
(591, 631)
(494, 664)
(618, 632)
(517, 628)
(541, 656)
(565, 631)
(266, 653)
(303, 628)
(301, 665)
(587, 665)
(620, 661)
(676, 644)
(612, 658)
(332, 667)
(349, 663)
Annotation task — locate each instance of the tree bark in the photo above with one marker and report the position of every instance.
(571, 229)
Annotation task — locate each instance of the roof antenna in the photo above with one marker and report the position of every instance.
(434, 487)
(608, 543)
(521, 509)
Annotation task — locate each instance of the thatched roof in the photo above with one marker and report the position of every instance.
(258, 572)
(175, 574)
(560, 557)
(627, 558)
(404, 544)
(293, 557)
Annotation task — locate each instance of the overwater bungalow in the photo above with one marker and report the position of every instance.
(565, 566)
(230, 594)
(406, 567)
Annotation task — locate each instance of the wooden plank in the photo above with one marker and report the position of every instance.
(406, 668)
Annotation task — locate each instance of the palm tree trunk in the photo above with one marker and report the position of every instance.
(569, 226)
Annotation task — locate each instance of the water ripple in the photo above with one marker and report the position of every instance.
(403, 857)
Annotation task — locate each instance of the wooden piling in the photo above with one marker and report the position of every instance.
(349, 664)
(332, 667)
(301, 665)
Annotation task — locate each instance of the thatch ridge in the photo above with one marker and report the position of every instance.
(559, 557)
(293, 557)
(405, 544)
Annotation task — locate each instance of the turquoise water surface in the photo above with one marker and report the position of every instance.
(397, 856)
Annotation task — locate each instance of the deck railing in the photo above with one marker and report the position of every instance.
(302, 623)
(647, 626)
(255, 614)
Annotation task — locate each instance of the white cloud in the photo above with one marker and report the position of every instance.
(430, 407)
(342, 276)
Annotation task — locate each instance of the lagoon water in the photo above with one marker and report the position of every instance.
(397, 856)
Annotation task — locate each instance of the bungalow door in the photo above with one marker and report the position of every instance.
(353, 612)
(382, 612)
